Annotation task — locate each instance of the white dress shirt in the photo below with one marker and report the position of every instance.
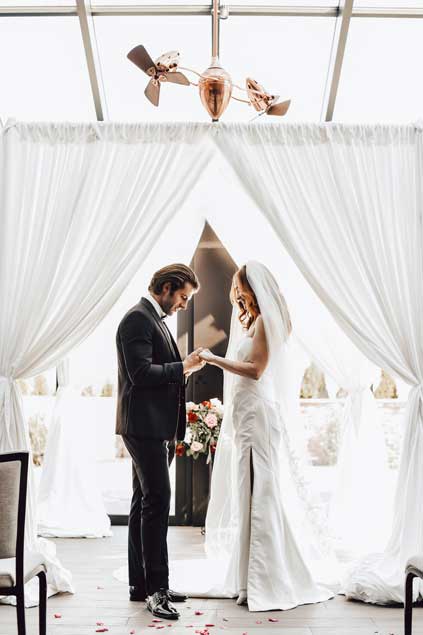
(156, 305)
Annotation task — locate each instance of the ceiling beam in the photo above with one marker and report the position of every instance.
(15, 10)
(336, 59)
(92, 58)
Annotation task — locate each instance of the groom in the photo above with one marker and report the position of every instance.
(150, 416)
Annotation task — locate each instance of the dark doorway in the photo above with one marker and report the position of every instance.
(206, 323)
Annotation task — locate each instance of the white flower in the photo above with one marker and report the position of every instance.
(217, 405)
(188, 436)
(196, 446)
(190, 405)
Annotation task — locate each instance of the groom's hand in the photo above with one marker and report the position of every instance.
(193, 362)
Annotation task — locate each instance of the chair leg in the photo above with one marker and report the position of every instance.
(43, 603)
(20, 611)
(408, 603)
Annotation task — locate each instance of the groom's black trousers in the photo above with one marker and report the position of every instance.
(149, 514)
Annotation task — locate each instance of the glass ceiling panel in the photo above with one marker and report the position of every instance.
(288, 56)
(398, 4)
(279, 60)
(381, 76)
(38, 3)
(124, 83)
(45, 77)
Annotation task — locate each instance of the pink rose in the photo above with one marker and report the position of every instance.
(211, 420)
(196, 446)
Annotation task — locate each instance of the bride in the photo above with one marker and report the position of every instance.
(259, 519)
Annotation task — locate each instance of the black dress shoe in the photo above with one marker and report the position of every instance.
(137, 594)
(174, 596)
(160, 606)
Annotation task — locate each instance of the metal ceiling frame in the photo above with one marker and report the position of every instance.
(86, 24)
(14, 10)
(336, 59)
(86, 12)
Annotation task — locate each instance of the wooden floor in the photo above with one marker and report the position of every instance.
(93, 561)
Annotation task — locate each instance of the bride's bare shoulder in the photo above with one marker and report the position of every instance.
(257, 328)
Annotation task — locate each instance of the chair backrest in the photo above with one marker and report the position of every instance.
(13, 486)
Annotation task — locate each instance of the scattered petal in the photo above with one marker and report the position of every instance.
(198, 613)
(225, 619)
(155, 621)
(273, 619)
(132, 632)
(102, 629)
(57, 615)
(259, 622)
(100, 623)
(160, 626)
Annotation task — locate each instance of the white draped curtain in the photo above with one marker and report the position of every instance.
(81, 207)
(357, 191)
(70, 502)
(356, 493)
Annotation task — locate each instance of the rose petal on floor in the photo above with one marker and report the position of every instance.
(273, 619)
(57, 616)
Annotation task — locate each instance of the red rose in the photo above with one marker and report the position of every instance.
(180, 449)
(192, 417)
(212, 449)
(207, 404)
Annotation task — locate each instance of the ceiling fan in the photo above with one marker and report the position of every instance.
(215, 84)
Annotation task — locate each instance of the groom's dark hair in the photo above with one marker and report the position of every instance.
(177, 274)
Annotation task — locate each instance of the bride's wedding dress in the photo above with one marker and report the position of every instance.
(267, 565)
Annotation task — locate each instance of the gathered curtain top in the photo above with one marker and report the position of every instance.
(277, 133)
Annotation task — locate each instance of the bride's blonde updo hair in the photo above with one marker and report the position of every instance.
(249, 309)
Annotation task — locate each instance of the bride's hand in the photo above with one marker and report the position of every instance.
(206, 355)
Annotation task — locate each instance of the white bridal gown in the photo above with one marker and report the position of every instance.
(267, 562)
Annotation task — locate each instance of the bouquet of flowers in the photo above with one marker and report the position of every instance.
(203, 427)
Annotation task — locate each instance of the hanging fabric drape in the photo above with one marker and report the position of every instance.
(81, 207)
(70, 503)
(362, 441)
(357, 191)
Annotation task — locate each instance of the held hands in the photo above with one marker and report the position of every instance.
(193, 362)
(206, 355)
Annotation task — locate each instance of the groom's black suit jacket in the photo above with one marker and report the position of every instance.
(151, 385)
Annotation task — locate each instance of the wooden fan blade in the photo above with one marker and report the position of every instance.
(177, 78)
(141, 58)
(152, 92)
(279, 109)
